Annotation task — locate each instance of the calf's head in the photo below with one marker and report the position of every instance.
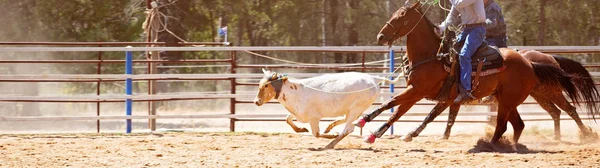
(269, 87)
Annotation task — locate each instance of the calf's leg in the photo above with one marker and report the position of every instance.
(347, 130)
(333, 124)
(314, 128)
(289, 121)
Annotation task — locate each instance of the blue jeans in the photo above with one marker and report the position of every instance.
(472, 38)
(498, 41)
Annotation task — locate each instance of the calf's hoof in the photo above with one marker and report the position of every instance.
(360, 123)
(302, 130)
(407, 138)
(370, 139)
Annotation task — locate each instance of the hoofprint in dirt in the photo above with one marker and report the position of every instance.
(280, 150)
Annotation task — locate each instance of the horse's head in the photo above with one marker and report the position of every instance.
(268, 87)
(400, 24)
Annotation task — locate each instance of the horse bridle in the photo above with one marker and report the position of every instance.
(413, 28)
(396, 30)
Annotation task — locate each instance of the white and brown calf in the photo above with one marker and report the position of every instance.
(333, 95)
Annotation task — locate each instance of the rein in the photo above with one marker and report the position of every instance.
(413, 66)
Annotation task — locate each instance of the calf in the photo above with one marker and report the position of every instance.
(308, 100)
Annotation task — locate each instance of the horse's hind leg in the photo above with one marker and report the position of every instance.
(436, 111)
(451, 119)
(517, 124)
(563, 104)
(554, 112)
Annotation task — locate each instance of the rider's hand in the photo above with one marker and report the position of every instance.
(488, 21)
(440, 30)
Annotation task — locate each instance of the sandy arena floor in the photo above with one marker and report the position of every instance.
(281, 150)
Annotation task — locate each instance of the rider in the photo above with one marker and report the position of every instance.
(494, 25)
(495, 28)
(472, 16)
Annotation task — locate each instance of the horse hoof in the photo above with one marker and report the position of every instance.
(407, 138)
(370, 139)
(558, 139)
(588, 137)
(360, 123)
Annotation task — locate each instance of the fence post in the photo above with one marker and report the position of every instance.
(99, 71)
(363, 61)
(128, 85)
(152, 86)
(232, 101)
(392, 85)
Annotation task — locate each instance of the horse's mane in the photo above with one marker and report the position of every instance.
(447, 41)
(426, 18)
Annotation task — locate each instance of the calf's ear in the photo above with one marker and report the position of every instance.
(265, 71)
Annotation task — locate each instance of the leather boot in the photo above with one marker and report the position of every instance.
(463, 95)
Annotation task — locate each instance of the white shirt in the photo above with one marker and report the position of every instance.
(470, 11)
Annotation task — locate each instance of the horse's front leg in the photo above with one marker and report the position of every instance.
(453, 113)
(404, 97)
(404, 107)
(406, 100)
(436, 111)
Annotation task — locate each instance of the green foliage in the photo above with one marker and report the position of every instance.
(266, 23)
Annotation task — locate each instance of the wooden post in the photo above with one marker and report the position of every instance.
(233, 88)
(363, 61)
(98, 71)
(151, 37)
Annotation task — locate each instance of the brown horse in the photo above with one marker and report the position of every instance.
(548, 97)
(511, 86)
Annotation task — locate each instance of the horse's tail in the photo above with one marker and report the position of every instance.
(585, 83)
(552, 76)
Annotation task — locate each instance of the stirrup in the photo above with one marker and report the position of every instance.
(464, 96)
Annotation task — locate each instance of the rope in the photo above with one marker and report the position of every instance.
(444, 33)
(419, 20)
(350, 92)
(309, 64)
(440, 5)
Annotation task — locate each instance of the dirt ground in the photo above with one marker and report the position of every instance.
(282, 150)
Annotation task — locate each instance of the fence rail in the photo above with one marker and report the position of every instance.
(232, 76)
(368, 49)
(272, 117)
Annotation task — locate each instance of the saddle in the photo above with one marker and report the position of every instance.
(488, 55)
(486, 61)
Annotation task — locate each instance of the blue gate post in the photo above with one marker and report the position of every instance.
(128, 85)
(392, 85)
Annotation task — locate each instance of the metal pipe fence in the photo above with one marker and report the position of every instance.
(232, 76)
